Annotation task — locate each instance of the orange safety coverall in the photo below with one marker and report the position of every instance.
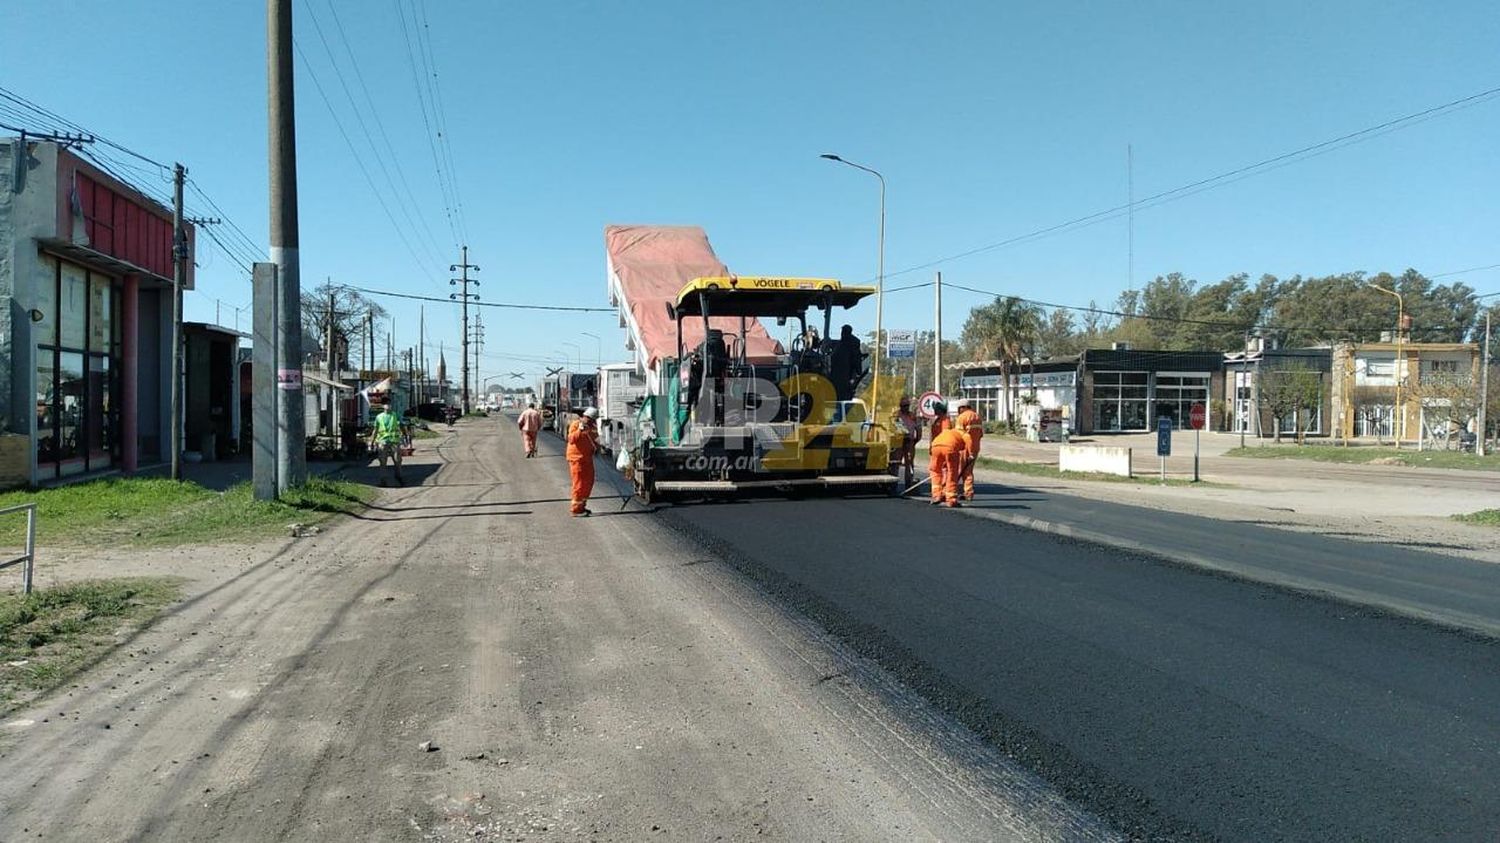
(968, 422)
(530, 423)
(949, 450)
(581, 446)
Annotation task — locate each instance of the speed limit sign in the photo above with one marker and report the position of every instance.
(926, 403)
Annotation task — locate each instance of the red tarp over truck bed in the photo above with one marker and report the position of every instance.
(648, 266)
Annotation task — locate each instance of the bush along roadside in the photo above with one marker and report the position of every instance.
(1484, 518)
(48, 636)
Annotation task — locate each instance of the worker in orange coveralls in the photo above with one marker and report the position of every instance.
(530, 423)
(970, 423)
(949, 450)
(583, 440)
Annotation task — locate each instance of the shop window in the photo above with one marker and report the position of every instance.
(71, 389)
(101, 316)
(72, 315)
(1120, 400)
(45, 330)
(46, 418)
(76, 387)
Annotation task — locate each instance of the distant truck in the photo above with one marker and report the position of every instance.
(621, 391)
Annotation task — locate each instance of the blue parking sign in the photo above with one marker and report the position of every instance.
(1164, 436)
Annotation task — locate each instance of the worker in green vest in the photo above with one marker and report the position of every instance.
(386, 440)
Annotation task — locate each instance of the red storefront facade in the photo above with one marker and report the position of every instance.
(90, 264)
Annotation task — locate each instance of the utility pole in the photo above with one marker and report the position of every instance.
(937, 335)
(422, 353)
(478, 342)
(291, 450)
(1484, 388)
(464, 296)
(179, 278)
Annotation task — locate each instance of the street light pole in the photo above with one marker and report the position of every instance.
(879, 283)
(1400, 364)
(598, 348)
(578, 348)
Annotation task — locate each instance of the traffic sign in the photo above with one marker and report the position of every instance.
(1198, 417)
(901, 345)
(1164, 436)
(924, 404)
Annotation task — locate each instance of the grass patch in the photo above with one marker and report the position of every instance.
(425, 433)
(156, 511)
(1363, 455)
(47, 636)
(1484, 518)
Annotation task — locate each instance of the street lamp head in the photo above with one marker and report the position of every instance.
(830, 156)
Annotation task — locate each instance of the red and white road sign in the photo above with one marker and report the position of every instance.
(924, 404)
(1198, 417)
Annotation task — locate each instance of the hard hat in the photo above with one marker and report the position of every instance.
(591, 412)
(963, 403)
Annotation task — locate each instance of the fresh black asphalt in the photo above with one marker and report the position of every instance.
(1178, 703)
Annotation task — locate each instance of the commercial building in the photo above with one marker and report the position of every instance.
(1116, 390)
(85, 326)
(1252, 376)
(1438, 389)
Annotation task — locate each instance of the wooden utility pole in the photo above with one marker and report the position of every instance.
(179, 278)
(464, 296)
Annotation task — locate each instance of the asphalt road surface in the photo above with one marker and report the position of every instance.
(1175, 702)
(599, 679)
(1398, 576)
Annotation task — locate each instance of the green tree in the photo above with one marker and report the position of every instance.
(1002, 330)
(1292, 391)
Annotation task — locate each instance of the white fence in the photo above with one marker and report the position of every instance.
(1094, 459)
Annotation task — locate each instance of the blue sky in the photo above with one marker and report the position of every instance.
(989, 120)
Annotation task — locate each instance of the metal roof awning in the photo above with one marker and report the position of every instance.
(322, 381)
(83, 254)
(211, 328)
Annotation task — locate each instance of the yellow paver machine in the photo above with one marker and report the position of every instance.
(737, 411)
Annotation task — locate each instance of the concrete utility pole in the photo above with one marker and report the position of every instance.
(464, 296)
(291, 450)
(422, 353)
(1484, 388)
(937, 334)
(478, 343)
(179, 278)
(263, 381)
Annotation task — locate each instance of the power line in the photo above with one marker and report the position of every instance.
(318, 86)
(380, 127)
(1463, 271)
(416, 78)
(402, 206)
(557, 307)
(1227, 177)
(425, 35)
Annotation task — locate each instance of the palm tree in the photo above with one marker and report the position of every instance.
(1000, 331)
